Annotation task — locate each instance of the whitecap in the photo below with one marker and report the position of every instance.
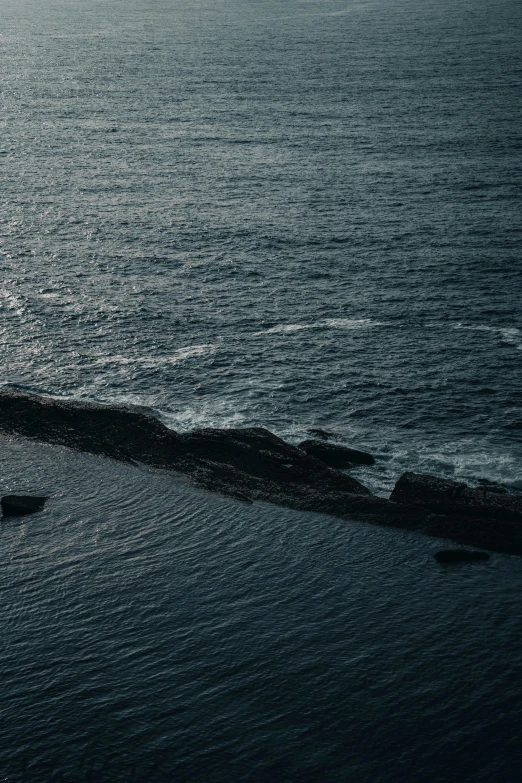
(217, 413)
(12, 301)
(325, 323)
(461, 461)
(350, 323)
(509, 335)
(189, 351)
(284, 328)
(152, 362)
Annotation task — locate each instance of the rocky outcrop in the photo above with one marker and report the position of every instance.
(250, 464)
(19, 505)
(490, 486)
(254, 464)
(443, 496)
(473, 516)
(336, 456)
(449, 556)
(261, 466)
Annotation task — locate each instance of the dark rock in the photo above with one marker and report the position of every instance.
(251, 464)
(491, 486)
(467, 515)
(459, 556)
(254, 464)
(443, 496)
(18, 505)
(336, 456)
(323, 434)
(252, 459)
(425, 490)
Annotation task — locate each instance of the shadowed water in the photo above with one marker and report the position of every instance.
(153, 632)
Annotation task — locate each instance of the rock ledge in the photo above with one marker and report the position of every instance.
(254, 464)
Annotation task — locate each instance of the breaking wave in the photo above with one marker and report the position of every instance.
(326, 323)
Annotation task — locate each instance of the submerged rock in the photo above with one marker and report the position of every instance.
(322, 434)
(460, 556)
(18, 505)
(336, 456)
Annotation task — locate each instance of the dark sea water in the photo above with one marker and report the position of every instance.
(283, 213)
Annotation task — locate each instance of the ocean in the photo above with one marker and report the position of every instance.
(294, 215)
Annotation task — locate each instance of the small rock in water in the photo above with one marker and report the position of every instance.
(18, 505)
(460, 556)
(323, 434)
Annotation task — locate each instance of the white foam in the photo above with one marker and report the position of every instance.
(325, 323)
(460, 461)
(350, 323)
(150, 362)
(513, 337)
(189, 351)
(509, 335)
(284, 328)
(12, 301)
(218, 413)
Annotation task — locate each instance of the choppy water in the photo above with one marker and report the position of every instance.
(287, 214)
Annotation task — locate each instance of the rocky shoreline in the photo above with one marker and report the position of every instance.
(254, 464)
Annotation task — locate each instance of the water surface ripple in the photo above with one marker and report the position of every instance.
(256, 215)
(153, 632)
(293, 215)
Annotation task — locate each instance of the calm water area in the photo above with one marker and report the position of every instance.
(281, 213)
